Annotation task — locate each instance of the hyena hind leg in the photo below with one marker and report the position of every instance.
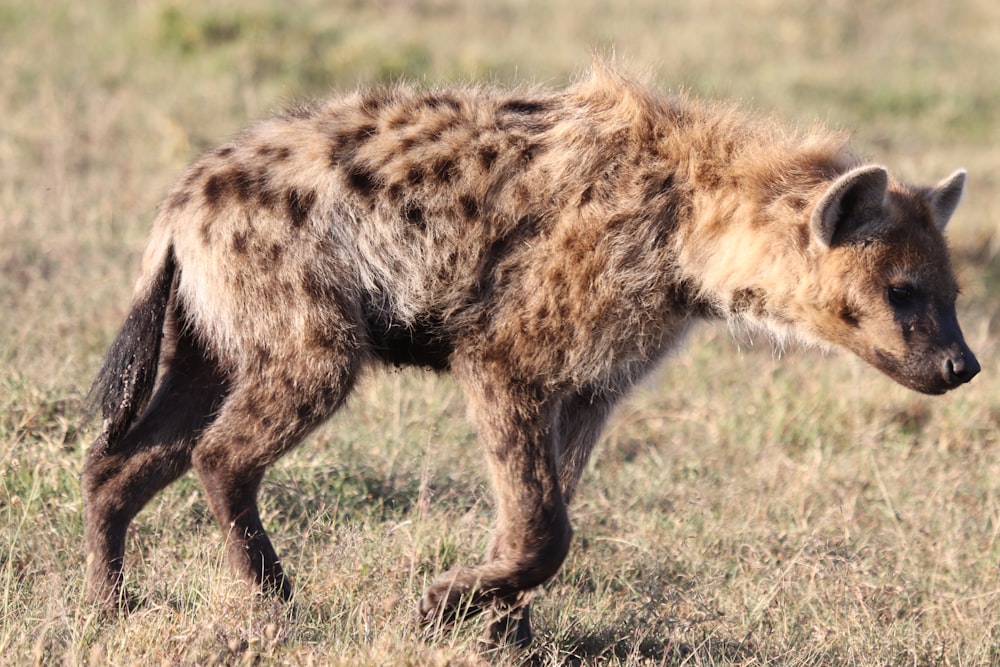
(269, 411)
(120, 478)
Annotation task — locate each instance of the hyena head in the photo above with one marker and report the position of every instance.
(882, 284)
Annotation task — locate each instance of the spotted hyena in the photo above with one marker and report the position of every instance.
(547, 248)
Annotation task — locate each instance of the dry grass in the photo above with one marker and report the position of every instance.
(747, 507)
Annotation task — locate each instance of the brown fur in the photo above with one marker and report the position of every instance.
(547, 248)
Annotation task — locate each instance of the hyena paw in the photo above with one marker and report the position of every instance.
(448, 599)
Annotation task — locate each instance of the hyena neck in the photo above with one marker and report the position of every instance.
(747, 243)
(745, 276)
(733, 192)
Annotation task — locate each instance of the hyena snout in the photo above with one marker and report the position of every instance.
(957, 363)
(959, 366)
(932, 363)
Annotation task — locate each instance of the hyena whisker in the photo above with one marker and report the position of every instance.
(547, 248)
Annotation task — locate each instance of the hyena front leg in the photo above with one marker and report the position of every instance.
(579, 421)
(270, 410)
(533, 532)
(120, 478)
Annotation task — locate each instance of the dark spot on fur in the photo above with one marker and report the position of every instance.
(749, 300)
(850, 316)
(488, 157)
(240, 241)
(241, 184)
(347, 143)
(275, 253)
(362, 181)
(299, 204)
(558, 278)
(276, 153)
(587, 195)
(415, 175)
(214, 190)
(444, 170)
(438, 101)
(305, 411)
(523, 106)
(400, 120)
(669, 207)
(470, 207)
(438, 132)
(371, 104)
(224, 151)
(365, 132)
(395, 192)
(414, 215)
(528, 115)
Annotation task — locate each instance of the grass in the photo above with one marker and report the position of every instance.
(746, 507)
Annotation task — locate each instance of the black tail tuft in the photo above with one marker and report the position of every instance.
(125, 382)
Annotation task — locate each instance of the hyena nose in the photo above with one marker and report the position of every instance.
(961, 367)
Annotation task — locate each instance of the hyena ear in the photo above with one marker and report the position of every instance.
(839, 211)
(945, 196)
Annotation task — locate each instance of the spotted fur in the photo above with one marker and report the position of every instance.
(548, 248)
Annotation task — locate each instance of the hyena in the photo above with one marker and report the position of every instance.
(546, 248)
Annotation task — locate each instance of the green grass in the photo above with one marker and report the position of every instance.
(746, 506)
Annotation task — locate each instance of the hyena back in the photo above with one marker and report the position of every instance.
(547, 248)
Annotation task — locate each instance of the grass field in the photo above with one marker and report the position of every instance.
(746, 507)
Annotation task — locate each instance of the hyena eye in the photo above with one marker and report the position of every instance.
(901, 295)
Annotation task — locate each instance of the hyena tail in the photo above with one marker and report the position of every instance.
(125, 382)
